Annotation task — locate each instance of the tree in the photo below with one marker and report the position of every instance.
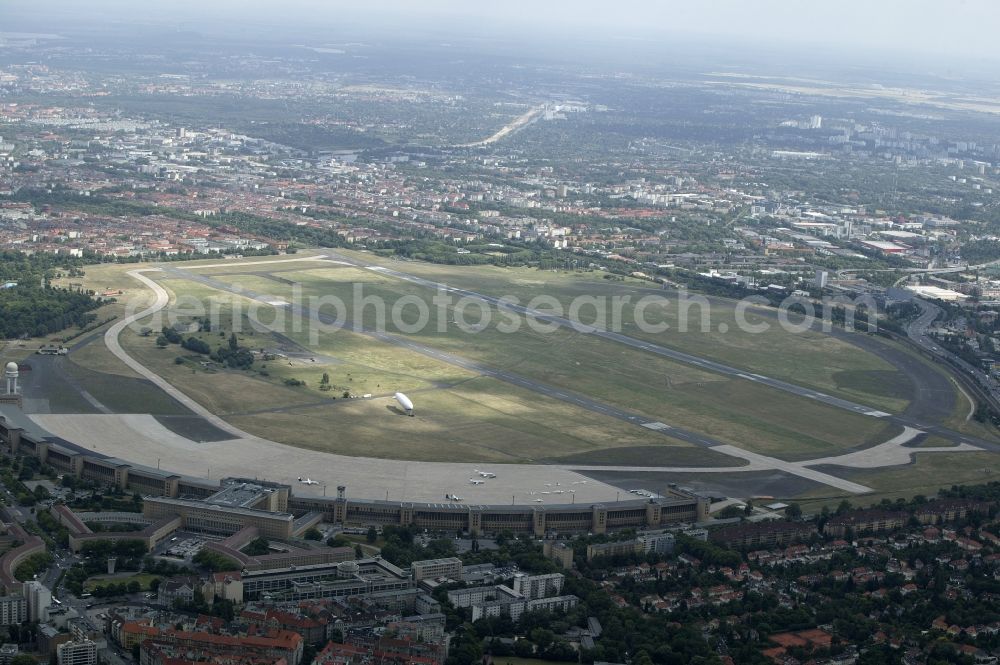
(338, 541)
(257, 547)
(793, 511)
(162, 342)
(214, 561)
(196, 345)
(524, 649)
(171, 335)
(642, 658)
(730, 511)
(233, 342)
(313, 534)
(23, 659)
(372, 535)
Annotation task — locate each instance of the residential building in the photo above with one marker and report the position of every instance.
(762, 534)
(533, 587)
(77, 652)
(13, 610)
(429, 569)
(39, 599)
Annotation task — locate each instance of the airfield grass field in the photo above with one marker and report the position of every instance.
(464, 416)
(471, 418)
(810, 358)
(95, 356)
(928, 473)
(732, 411)
(931, 471)
(934, 442)
(735, 411)
(478, 421)
(961, 420)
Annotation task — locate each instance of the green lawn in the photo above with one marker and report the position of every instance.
(101, 580)
(513, 660)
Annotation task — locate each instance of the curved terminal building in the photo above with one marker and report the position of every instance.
(198, 501)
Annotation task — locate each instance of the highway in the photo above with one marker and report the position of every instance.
(516, 125)
(916, 331)
(910, 272)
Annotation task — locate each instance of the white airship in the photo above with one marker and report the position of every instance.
(405, 402)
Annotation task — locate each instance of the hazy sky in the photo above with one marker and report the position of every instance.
(963, 28)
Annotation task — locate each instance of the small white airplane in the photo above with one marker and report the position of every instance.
(473, 481)
(452, 497)
(308, 481)
(485, 474)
